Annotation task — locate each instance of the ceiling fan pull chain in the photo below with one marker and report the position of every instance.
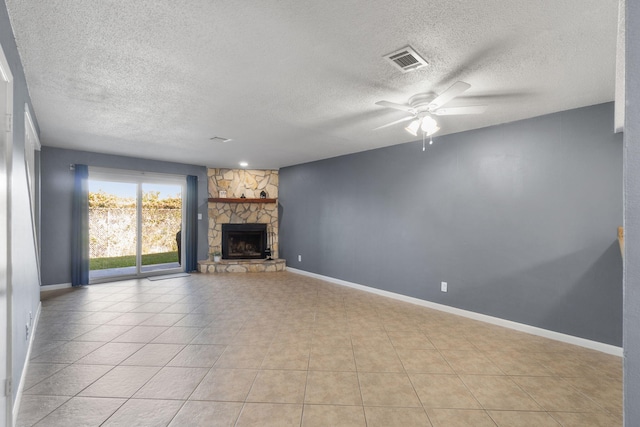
(423, 147)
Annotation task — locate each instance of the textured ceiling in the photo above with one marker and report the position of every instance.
(292, 81)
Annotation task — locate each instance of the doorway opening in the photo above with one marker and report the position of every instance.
(135, 223)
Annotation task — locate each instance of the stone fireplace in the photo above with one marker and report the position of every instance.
(235, 198)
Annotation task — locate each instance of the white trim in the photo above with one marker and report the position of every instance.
(6, 158)
(30, 126)
(570, 339)
(23, 377)
(45, 288)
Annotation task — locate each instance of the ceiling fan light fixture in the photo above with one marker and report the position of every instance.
(413, 127)
(429, 125)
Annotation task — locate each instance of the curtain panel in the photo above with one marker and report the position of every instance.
(80, 227)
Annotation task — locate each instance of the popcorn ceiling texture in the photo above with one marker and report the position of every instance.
(293, 81)
(237, 182)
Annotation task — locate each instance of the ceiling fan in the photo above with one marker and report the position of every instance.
(424, 106)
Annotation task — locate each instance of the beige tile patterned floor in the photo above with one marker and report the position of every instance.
(283, 349)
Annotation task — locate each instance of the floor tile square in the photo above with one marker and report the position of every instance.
(294, 357)
(70, 380)
(523, 419)
(141, 334)
(82, 411)
(121, 381)
(207, 414)
(270, 415)
(37, 372)
(499, 392)
(244, 357)
(373, 360)
(424, 361)
(68, 352)
(104, 333)
(332, 359)
(387, 389)
(459, 418)
(470, 362)
(33, 408)
(278, 386)
(154, 355)
(112, 353)
(163, 319)
(584, 419)
(177, 335)
(443, 391)
(231, 385)
(405, 417)
(556, 394)
(143, 413)
(172, 383)
(197, 356)
(337, 388)
(333, 415)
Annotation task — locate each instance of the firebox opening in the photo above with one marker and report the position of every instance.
(244, 241)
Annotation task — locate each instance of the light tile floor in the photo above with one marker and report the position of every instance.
(283, 349)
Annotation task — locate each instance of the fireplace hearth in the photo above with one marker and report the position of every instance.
(244, 241)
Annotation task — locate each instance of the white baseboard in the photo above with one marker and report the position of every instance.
(570, 339)
(16, 404)
(46, 288)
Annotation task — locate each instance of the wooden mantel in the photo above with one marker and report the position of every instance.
(240, 200)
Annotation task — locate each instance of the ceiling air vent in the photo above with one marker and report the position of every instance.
(406, 59)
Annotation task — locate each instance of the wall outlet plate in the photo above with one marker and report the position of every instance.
(443, 286)
(299, 258)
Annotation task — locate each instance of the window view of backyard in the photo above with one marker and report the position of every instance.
(114, 228)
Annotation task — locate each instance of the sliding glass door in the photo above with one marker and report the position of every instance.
(135, 223)
(161, 226)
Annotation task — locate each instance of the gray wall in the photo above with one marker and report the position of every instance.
(23, 252)
(519, 219)
(57, 191)
(632, 220)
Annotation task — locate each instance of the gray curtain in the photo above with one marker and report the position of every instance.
(80, 227)
(191, 235)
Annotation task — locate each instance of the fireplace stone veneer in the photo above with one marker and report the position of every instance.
(236, 183)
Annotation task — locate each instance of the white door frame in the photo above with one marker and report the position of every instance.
(6, 156)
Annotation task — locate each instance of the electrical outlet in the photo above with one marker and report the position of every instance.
(199, 216)
(299, 258)
(443, 286)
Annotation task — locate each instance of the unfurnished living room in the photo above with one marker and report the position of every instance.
(340, 213)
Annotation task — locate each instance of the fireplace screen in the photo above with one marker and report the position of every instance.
(244, 241)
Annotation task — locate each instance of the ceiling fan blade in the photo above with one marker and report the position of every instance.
(395, 106)
(456, 89)
(405, 119)
(454, 111)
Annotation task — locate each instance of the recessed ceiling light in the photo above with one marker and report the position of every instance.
(244, 164)
(220, 139)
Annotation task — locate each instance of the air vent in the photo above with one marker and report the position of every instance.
(406, 59)
(220, 139)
